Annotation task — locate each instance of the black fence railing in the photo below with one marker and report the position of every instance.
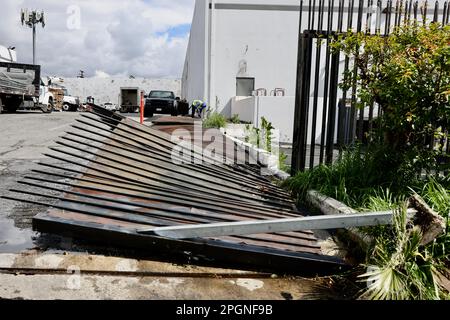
(326, 117)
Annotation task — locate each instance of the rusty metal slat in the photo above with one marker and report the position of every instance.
(166, 208)
(227, 166)
(206, 175)
(166, 211)
(228, 216)
(143, 175)
(146, 190)
(150, 197)
(165, 137)
(158, 222)
(136, 156)
(302, 246)
(157, 156)
(114, 211)
(156, 175)
(78, 209)
(164, 144)
(218, 166)
(165, 190)
(187, 216)
(206, 168)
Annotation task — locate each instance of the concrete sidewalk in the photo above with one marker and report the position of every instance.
(39, 276)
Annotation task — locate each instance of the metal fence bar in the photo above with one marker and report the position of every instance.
(327, 81)
(316, 88)
(354, 122)
(302, 103)
(361, 109)
(333, 103)
(281, 225)
(436, 9)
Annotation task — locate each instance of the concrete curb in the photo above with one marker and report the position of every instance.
(265, 158)
(328, 206)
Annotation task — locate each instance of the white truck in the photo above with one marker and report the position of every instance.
(69, 103)
(129, 99)
(21, 85)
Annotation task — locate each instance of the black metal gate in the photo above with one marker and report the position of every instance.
(326, 117)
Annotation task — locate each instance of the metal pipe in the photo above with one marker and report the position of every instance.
(281, 225)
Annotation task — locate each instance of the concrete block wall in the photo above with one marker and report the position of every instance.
(108, 89)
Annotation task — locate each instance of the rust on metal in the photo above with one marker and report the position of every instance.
(125, 176)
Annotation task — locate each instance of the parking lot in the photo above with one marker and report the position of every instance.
(24, 139)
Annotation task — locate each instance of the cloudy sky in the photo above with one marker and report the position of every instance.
(143, 38)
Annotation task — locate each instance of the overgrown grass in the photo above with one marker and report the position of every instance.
(438, 197)
(377, 180)
(235, 119)
(355, 177)
(282, 162)
(215, 120)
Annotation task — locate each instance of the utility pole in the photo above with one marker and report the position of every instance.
(31, 19)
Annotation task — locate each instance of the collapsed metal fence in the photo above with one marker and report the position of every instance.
(118, 177)
(326, 117)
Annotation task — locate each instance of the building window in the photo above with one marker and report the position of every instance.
(245, 87)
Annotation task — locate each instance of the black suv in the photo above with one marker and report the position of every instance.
(161, 102)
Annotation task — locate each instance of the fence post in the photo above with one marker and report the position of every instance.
(332, 107)
(299, 142)
(141, 108)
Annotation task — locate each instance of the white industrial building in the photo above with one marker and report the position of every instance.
(108, 89)
(242, 58)
(237, 47)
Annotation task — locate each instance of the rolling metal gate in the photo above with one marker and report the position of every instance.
(326, 118)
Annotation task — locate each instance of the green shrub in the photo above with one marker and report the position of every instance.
(356, 175)
(398, 266)
(215, 120)
(235, 119)
(260, 137)
(266, 129)
(282, 162)
(408, 75)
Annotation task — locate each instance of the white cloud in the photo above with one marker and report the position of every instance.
(101, 74)
(115, 37)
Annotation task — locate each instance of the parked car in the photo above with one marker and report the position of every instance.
(110, 106)
(160, 102)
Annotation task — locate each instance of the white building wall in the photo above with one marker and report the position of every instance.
(260, 44)
(256, 39)
(108, 89)
(245, 107)
(233, 38)
(277, 110)
(194, 79)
